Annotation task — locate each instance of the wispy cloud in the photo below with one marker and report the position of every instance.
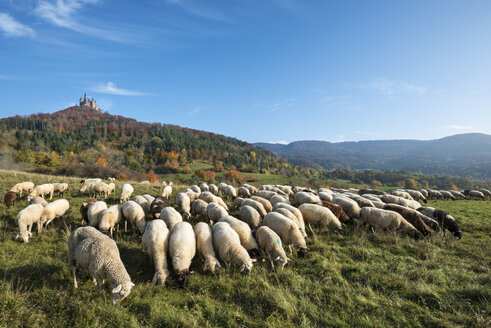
(111, 89)
(392, 87)
(287, 103)
(12, 28)
(64, 13)
(459, 127)
(194, 111)
(197, 8)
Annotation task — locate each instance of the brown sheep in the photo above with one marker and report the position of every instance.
(9, 198)
(158, 205)
(445, 220)
(85, 207)
(338, 212)
(411, 216)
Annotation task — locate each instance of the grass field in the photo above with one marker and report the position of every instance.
(355, 279)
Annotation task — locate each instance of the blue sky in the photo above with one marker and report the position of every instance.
(265, 70)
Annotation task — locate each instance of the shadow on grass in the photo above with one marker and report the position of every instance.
(31, 276)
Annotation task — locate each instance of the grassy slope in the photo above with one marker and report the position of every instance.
(356, 279)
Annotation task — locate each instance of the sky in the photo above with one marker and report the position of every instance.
(258, 70)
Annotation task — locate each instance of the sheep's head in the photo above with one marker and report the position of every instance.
(121, 291)
(458, 234)
(210, 264)
(182, 278)
(247, 267)
(186, 216)
(302, 251)
(140, 224)
(415, 234)
(281, 261)
(160, 277)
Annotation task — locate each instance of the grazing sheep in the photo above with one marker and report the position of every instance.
(287, 230)
(163, 185)
(42, 190)
(191, 194)
(252, 189)
(457, 194)
(84, 208)
(9, 198)
(288, 214)
(349, 206)
(140, 200)
(134, 214)
(26, 218)
(182, 248)
(485, 192)
(250, 216)
(204, 244)
(278, 199)
(213, 189)
(238, 202)
(417, 195)
(23, 186)
(203, 186)
(91, 249)
(227, 244)
(60, 188)
(256, 205)
(101, 189)
(325, 196)
(86, 183)
(316, 214)
(126, 191)
(445, 220)
(338, 211)
(167, 192)
(155, 241)
(214, 212)
(53, 210)
(245, 234)
(403, 194)
(371, 191)
(157, 206)
(38, 200)
(447, 194)
(94, 213)
(303, 197)
(266, 203)
(266, 194)
(184, 203)
(386, 220)
(196, 189)
(198, 208)
(411, 216)
(434, 194)
(109, 218)
(269, 241)
(230, 192)
(361, 201)
(170, 216)
(244, 192)
(300, 221)
(210, 198)
(474, 194)
(149, 198)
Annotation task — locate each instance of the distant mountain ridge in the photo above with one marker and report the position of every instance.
(467, 155)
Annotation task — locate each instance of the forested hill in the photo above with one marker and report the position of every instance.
(75, 137)
(467, 155)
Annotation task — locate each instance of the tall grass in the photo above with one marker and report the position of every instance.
(354, 279)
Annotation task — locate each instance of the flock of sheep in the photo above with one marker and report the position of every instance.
(270, 218)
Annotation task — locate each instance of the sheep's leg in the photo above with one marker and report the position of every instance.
(271, 261)
(74, 269)
(311, 230)
(227, 265)
(372, 230)
(125, 226)
(291, 249)
(100, 282)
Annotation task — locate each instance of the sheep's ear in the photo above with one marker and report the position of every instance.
(132, 285)
(219, 265)
(254, 260)
(277, 259)
(288, 259)
(242, 268)
(117, 289)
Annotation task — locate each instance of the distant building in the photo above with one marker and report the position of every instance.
(88, 103)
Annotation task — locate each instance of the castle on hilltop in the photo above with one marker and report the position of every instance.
(88, 103)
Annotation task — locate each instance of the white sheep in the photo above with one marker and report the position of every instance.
(299, 221)
(287, 230)
(94, 213)
(320, 215)
(42, 190)
(256, 205)
(230, 192)
(213, 189)
(204, 244)
(60, 188)
(238, 202)
(386, 220)
(245, 233)
(250, 216)
(38, 200)
(349, 206)
(167, 192)
(203, 186)
(182, 248)
(109, 218)
(149, 198)
(198, 207)
(196, 189)
(142, 201)
(134, 214)
(243, 192)
(91, 249)
(278, 199)
(270, 242)
(401, 193)
(86, 183)
(266, 194)
(26, 218)
(214, 212)
(170, 216)
(266, 203)
(302, 197)
(227, 244)
(126, 191)
(184, 203)
(53, 210)
(252, 189)
(20, 187)
(210, 198)
(155, 241)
